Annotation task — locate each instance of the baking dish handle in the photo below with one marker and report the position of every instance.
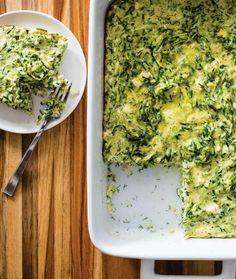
(147, 272)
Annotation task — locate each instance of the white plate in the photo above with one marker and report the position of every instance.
(73, 68)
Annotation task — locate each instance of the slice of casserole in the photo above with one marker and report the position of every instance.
(29, 63)
(208, 193)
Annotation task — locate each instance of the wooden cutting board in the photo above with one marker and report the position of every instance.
(43, 229)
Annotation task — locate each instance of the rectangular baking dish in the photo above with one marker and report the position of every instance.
(145, 219)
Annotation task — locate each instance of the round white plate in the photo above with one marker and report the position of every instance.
(73, 68)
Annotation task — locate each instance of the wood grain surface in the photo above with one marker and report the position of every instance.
(43, 229)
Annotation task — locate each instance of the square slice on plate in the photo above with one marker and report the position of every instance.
(29, 63)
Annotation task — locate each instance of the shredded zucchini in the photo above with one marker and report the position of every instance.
(170, 98)
(29, 63)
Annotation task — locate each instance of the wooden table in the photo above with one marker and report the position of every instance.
(43, 229)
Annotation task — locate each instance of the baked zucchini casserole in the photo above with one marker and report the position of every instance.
(170, 98)
(29, 63)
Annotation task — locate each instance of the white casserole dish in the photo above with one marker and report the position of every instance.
(151, 197)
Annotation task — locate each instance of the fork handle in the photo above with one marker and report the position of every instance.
(12, 184)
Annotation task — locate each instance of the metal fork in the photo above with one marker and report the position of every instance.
(12, 184)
